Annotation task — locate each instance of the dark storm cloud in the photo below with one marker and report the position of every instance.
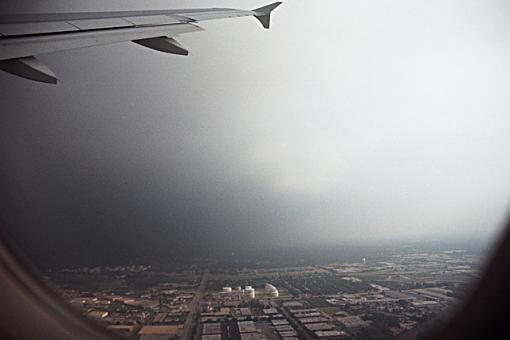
(123, 177)
(371, 123)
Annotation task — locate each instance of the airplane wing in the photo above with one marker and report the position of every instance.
(24, 36)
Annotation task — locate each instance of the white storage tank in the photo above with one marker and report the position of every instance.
(251, 293)
(271, 290)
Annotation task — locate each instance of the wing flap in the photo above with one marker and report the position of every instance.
(36, 28)
(152, 20)
(50, 27)
(96, 24)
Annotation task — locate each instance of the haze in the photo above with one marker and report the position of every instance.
(348, 121)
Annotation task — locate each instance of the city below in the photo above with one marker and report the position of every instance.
(399, 293)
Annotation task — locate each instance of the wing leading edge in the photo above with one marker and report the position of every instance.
(22, 37)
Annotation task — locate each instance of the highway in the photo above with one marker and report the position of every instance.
(194, 310)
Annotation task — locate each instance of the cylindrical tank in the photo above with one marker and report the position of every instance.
(271, 290)
(249, 291)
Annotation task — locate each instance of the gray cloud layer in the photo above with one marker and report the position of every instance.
(347, 121)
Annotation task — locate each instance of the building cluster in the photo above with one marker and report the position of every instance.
(155, 312)
(317, 324)
(395, 293)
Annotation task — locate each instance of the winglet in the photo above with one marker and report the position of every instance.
(263, 14)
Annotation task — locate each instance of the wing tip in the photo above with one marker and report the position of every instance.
(263, 14)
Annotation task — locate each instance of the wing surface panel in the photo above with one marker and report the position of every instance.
(24, 47)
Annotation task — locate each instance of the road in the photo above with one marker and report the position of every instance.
(194, 310)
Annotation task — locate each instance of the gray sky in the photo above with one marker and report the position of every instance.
(347, 121)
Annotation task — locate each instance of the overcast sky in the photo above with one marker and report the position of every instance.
(347, 121)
